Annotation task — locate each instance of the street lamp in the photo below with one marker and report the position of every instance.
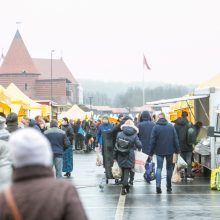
(51, 83)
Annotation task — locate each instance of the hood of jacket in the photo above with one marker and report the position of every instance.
(145, 116)
(129, 131)
(162, 121)
(181, 121)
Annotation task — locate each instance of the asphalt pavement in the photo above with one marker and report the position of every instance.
(193, 200)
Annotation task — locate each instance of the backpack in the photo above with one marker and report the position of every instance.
(191, 135)
(122, 145)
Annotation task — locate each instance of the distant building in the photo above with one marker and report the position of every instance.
(33, 76)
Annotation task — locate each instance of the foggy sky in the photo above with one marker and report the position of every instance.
(106, 39)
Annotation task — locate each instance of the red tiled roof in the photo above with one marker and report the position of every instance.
(18, 59)
(60, 70)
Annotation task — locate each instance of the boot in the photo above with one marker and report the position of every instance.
(123, 191)
(159, 191)
(128, 189)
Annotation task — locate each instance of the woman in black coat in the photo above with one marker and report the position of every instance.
(127, 141)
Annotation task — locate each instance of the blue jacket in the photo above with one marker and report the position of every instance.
(58, 140)
(145, 129)
(164, 140)
(102, 127)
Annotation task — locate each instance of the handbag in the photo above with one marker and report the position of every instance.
(10, 201)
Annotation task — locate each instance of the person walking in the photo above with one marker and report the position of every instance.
(35, 192)
(127, 141)
(164, 143)
(182, 125)
(105, 126)
(12, 122)
(79, 136)
(4, 134)
(59, 143)
(145, 129)
(68, 153)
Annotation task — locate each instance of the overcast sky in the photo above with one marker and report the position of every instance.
(106, 39)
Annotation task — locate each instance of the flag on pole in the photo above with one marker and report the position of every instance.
(145, 62)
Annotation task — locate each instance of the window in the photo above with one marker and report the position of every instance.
(25, 86)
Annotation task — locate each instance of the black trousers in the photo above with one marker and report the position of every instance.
(125, 176)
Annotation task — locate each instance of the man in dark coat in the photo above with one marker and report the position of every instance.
(37, 195)
(145, 129)
(182, 126)
(164, 143)
(59, 142)
(126, 157)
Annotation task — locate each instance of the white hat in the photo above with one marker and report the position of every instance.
(29, 147)
(130, 123)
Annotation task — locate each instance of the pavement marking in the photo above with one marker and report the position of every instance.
(149, 194)
(151, 207)
(120, 208)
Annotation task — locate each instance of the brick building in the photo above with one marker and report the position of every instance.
(33, 76)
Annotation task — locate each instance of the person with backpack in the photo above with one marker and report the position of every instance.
(127, 141)
(185, 133)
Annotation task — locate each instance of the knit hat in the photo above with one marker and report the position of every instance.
(2, 122)
(29, 147)
(130, 123)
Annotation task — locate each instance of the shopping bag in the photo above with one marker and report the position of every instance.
(139, 163)
(181, 163)
(213, 179)
(175, 158)
(176, 178)
(99, 158)
(149, 174)
(116, 171)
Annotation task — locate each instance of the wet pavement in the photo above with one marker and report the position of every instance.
(192, 200)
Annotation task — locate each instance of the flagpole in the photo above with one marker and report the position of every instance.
(143, 87)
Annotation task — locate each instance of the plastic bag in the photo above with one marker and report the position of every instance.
(176, 178)
(99, 158)
(116, 171)
(181, 163)
(139, 163)
(175, 158)
(149, 174)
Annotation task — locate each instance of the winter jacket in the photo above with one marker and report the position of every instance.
(39, 196)
(58, 141)
(12, 126)
(92, 130)
(4, 134)
(164, 140)
(34, 125)
(5, 166)
(69, 132)
(182, 126)
(145, 129)
(126, 159)
(102, 127)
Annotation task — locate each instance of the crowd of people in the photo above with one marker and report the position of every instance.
(30, 148)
